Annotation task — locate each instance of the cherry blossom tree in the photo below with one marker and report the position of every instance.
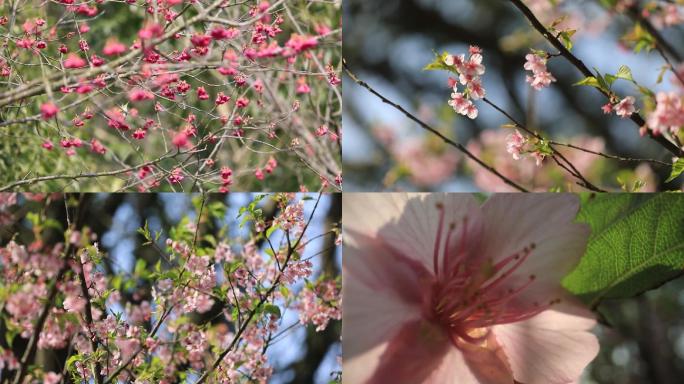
(206, 299)
(170, 95)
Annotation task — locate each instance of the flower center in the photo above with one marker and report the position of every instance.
(469, 295)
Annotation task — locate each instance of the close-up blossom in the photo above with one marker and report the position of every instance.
(440, 288)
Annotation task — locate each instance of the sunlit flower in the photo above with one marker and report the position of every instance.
(440, 289)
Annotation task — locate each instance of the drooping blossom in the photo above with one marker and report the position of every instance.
(469, 71)
(541, 77)
(438, 289)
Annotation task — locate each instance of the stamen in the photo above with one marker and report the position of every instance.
(438, 240)
(456, 261)
(519, 260)
(445, 253)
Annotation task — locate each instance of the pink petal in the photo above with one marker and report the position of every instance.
(411, 357)
(487, 362)
(553, 347)
(382, 290)
(413, 233)
(547, 220)
(453, 369)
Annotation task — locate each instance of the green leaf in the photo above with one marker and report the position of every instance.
(636, 244)
(438, 64)
(272, 309)
(677, 169)
(140, 267)
(566, 38)
(624, 73)
(590, 81)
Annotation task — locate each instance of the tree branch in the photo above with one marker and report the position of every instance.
(574, 60)
(427, 127)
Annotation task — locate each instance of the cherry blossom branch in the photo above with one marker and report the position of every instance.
(635, 14)
(30, 351)
(291, 248)
(89, 321)
(19, 183)
(130, 359)
(607, 156)
(579, 64)
(32, 346)
(460, 147)
(663, 47)
(569, 167)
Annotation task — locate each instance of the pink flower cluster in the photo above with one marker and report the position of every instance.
(668, 115)
(516, 145)
(469, 71)
(318, 305)
(115, 336)
(541, 77)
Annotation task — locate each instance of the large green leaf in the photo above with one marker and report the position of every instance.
(636, 244)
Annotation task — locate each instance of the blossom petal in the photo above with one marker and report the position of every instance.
(415, 232)
(382, 290)
(368, 212)
(514, 222)
(553, 347)
(411, 357)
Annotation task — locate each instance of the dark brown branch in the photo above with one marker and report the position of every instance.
(574, 60)
(89, 323)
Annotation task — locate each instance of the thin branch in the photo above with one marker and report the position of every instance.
(570, 168)
(15, 184)
(427, 127)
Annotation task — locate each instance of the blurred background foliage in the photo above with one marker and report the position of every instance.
(302, 356)
(388, 42)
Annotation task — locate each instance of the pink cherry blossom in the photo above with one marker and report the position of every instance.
(438, 287)
(607, 108)
(51, 378)
(541, 77)
(469, 71)
(48, 110)
(74, 61)
(625, 108)
(74, 304)
(668, 114)
(113, 47)
(515, 143)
